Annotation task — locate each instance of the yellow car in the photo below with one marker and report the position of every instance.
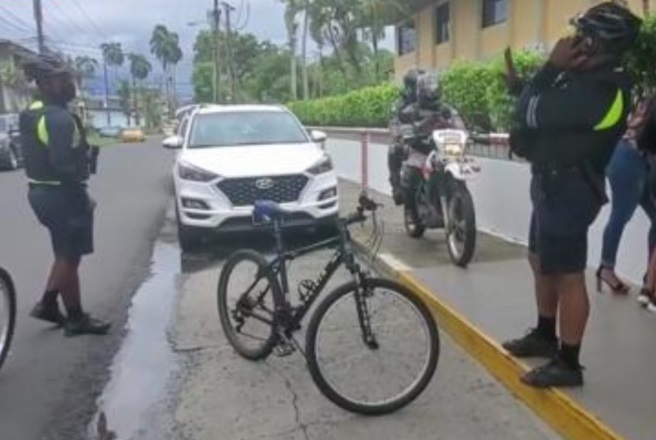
(133, 135)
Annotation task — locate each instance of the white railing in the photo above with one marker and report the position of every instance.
(501, 196)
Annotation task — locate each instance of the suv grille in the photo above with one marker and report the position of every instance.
(280, 189)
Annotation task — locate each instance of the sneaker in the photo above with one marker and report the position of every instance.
(49, 314)
(86, 325)
(651, 305)
(532, 345)
(555, 373)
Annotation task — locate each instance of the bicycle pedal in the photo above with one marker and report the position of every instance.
(284, 349)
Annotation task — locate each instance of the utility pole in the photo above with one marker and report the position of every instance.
(231, 74)
(38, 17)
(216, 22)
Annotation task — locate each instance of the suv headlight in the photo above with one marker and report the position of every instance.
(323, 166)
(194, 174)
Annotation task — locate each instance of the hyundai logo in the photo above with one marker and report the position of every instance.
(264, 183)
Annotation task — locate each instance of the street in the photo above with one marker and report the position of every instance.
(173, 376)
(49, 384)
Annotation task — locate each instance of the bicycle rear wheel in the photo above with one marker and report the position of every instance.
(378, 377)
(246, 302)
(7, 314)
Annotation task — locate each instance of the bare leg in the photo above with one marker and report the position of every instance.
(70, 288)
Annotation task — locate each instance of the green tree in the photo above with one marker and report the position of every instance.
(140, 68)
(125, 99)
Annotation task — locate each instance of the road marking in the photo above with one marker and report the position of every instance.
(394, 263)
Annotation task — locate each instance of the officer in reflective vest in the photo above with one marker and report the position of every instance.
(569, 117)
(57, 164)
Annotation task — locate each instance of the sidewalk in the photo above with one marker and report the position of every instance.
(224, 397)
(493, 300)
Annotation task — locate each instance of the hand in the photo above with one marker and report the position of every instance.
(568, 54)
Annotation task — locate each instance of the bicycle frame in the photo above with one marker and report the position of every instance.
(290, 317)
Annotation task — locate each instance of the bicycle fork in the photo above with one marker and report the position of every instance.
(364, 318)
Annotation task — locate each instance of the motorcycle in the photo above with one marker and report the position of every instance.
(441, 197)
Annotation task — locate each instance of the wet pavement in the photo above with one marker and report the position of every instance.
(211, 393)
(50, 383)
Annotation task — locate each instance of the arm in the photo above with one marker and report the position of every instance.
(61, 129)
(582, 105)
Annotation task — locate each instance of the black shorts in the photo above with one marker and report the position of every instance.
(70, 227)
(564, 208)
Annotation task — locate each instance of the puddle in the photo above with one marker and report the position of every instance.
(136, 395)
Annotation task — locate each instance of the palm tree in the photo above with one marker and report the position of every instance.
(165, 46)
(125, 98)
(112, 57)
(140, 68)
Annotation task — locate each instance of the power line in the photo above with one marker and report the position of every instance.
(91, 21)
(66, 19)
(248, 17)
(18, 23)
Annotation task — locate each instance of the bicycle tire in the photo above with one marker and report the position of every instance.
(224, 311)
(403, 399)
(7, 288)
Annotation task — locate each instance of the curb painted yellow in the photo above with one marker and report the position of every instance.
(565, 415)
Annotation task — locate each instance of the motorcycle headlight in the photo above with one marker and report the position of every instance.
(454, 149)
(194, 174)
(323, 166)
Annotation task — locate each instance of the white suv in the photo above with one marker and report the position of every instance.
(233, 156)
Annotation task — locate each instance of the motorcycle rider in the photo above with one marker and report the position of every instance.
(401, 117)
(427, 114)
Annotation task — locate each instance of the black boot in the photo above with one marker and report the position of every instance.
(85, 325)
(48, 313)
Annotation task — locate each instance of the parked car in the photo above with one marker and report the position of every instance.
(232, 156)
(110, 132)
(11, 155)
(133, 134)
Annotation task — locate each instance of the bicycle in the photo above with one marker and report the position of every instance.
(7, 313)
(263, 299)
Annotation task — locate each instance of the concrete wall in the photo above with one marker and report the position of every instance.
(501, 196)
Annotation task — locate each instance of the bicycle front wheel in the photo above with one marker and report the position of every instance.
(7, 314)
(372, 349)
(246, 301)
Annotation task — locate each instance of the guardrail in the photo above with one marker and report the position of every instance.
(501, 192)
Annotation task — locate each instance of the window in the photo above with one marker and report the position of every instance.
(494, 12)
(406, 38)
(235, 128)
(443, 23)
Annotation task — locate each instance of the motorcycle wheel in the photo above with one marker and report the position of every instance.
(413, 226)
(461, 236)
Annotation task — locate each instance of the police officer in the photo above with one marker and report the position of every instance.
(57, 164)
(569, 117)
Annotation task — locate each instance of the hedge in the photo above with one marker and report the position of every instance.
(476, 89)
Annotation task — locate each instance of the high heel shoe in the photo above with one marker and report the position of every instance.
(645, 297)
(618, 288)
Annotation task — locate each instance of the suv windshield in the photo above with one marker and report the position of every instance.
(226, 129)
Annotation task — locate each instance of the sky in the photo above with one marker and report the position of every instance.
(78, 27)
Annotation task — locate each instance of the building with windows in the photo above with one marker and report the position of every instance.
(442, 31)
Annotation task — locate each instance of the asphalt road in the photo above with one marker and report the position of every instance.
(49, 385)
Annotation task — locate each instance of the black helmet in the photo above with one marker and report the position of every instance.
(43, 66)
(410, 78)
(613, 25)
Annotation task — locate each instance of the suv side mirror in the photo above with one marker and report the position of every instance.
(173, 142)
(318, 136)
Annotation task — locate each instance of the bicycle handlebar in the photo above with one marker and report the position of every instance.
(365, 203)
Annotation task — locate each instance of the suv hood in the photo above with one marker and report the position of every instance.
(254, 160)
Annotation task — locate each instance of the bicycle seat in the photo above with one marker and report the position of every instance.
(263, 209)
